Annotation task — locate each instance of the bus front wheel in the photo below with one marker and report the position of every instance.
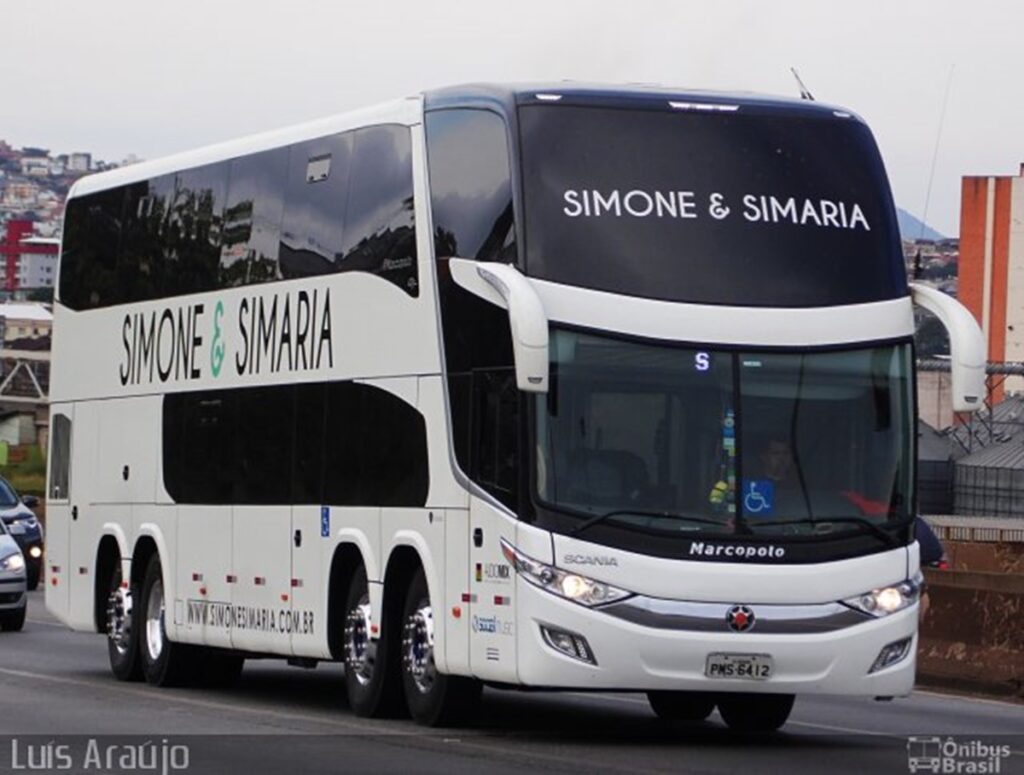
(682, 706)
(755, 712)
(433, 698)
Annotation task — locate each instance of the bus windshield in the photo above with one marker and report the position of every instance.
(743, 208)
(712, 441)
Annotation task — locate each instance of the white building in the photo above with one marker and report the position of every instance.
(25, 321)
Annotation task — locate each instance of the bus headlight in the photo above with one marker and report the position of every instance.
(888, 600)
(13, 563)
(571, 586)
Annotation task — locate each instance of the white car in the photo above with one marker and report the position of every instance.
(13, 595)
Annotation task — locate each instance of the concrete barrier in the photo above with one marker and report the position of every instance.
(972, 637)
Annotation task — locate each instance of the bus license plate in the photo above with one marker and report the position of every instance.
(752, 667)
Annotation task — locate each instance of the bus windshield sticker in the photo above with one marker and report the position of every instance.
(325, 521)
(759, 497)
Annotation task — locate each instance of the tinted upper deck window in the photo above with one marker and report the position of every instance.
(750, 209)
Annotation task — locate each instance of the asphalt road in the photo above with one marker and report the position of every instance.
(55, 684)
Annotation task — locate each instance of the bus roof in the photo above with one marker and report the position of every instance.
(503, 97)
(509, 96)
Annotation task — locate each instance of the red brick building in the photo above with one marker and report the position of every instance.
(26, 262)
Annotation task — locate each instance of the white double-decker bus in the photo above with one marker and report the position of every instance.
(543, 386)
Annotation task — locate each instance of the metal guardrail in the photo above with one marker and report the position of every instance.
(979, 529)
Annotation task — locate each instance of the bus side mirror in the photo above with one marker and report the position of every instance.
(966, 346)
(504, 286)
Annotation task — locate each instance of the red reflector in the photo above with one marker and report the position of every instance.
(259, 581)
(456, 611)
(296, 583)
(197, 576)
(53, 581)
(231, 579)
(500, 600)
(284, 598)
(202, 590)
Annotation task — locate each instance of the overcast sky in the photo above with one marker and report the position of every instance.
(119, 77)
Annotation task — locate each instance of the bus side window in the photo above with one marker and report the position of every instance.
(470, 185)
(253, 211)
(496, 430)
(93, 233)
(315, 198)
(380, 235)
(60, 457)
(471, 202)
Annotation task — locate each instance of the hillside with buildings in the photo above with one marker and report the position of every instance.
(34, 185)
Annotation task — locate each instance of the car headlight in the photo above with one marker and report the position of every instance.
(571, 586)
(888, 600)
(30, 522)
(13, 563)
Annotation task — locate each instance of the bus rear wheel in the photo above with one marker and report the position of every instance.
(433, 698)
(370, 681)
(164, 663)
(755, 712)
(122, 629)
(682, 706)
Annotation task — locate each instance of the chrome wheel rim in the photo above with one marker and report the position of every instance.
(358, 648)
(119, 619)
(418, 647)
(155, 621)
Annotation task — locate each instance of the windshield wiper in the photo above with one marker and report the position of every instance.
(872, 527)
(642, 513)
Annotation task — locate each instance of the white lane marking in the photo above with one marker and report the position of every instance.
(843, 730)
(615, 697)
(46, 624)
(220, 706)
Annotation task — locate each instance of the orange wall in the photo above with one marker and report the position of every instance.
(1000, 268)
(971, 265)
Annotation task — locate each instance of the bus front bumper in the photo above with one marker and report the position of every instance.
(664, 655)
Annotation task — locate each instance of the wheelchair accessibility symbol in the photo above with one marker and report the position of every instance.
(759, 497)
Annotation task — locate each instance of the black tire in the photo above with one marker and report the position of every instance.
(13, 621)
(124, 658)
(433, 698)
(32, 572)
(218, 669)
(755, 712)
(172, 664)
(371, 674)
(682, 706)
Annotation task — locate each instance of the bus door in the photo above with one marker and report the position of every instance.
(58, 510)
(261, 592)
(198, 467)
(86, 515)
(312, 548)
(262, 530)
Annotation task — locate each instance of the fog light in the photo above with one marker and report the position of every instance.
(891, 654)
(35, 552)
(568, 643)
